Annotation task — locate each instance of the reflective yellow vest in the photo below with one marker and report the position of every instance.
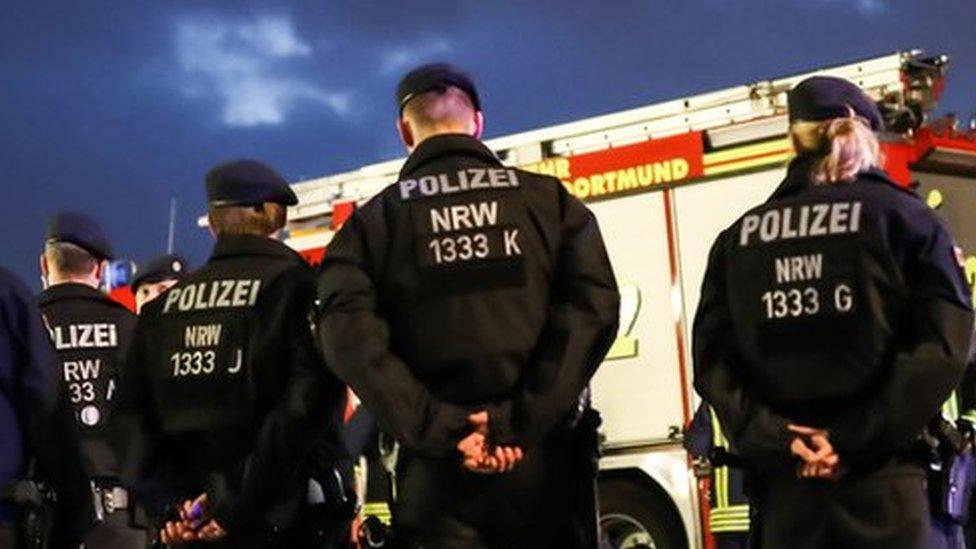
(730, 510)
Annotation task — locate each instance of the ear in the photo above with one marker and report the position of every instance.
(406, 133)
(210, 225)
(794, 142)
(100, 270)
(43, 263)
(279, 213)
(479, 125)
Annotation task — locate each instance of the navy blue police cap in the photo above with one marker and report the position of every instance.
(166, 267)
(825, 97)
(247, 183)
(82, 231)
(435, 76)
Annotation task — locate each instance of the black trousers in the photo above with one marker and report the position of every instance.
(309, 532)
(885, 509)
(117, 532)
(442, 506)
(731, 540)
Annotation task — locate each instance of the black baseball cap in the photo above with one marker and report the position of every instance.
(247, 183)
(82, 231)
(166, 267)
(824, 97)
(435, 76)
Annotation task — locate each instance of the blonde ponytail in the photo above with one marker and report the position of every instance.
(846, 147)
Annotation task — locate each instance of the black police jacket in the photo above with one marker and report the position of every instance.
(91, 334)
(223, 391)
(36, 421)
(837, 306)
(464, 286)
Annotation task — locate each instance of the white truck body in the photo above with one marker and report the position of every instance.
(711, 157)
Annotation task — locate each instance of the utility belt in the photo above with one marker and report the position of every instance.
(110, 498)
(951, 468)
(585, 445)
(329, 503)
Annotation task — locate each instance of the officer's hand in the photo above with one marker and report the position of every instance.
(812, 466)
(472, 445)
(211, 531)
(473, 451)
(821, 471)
(506, 457)
(814, 440)
(177, 533)
(479, 421)
(193, 524)
(813, 446)
(827, 468)
(479, 458)
(192, 513)
(500, 459)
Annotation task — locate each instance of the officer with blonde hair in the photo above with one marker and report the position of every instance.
(834, 321)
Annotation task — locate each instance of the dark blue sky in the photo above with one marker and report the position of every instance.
(115, 107)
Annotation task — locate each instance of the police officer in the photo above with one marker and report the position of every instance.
(36, 423)
(848, 326)
(91, 333)
(728, 512)
(157, 276)
(468, 305)
(224, 398)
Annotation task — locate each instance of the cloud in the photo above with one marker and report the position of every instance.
(402, 58)
(250, 67)
(870, 7)
(864, 7)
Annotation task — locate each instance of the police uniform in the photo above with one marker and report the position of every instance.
(223, 393)
(91, 333)
(470, 286)
(849, 313)
(36, 421)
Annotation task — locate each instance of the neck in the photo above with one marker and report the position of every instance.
(421, 137)
(56, 279)
(273, 236)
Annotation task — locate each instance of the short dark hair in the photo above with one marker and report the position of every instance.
(69, 259)
(260, 220)
(435, 108)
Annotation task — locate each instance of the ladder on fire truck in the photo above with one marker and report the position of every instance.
(905, 84)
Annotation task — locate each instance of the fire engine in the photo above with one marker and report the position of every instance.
(663, 181)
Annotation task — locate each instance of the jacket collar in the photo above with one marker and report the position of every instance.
(252, 245)
(798, 178)
(73, 291)
(449, 144)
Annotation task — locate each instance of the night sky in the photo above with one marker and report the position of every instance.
(114, 108)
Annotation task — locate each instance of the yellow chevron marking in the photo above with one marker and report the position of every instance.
(766, 147)
(746, 164)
